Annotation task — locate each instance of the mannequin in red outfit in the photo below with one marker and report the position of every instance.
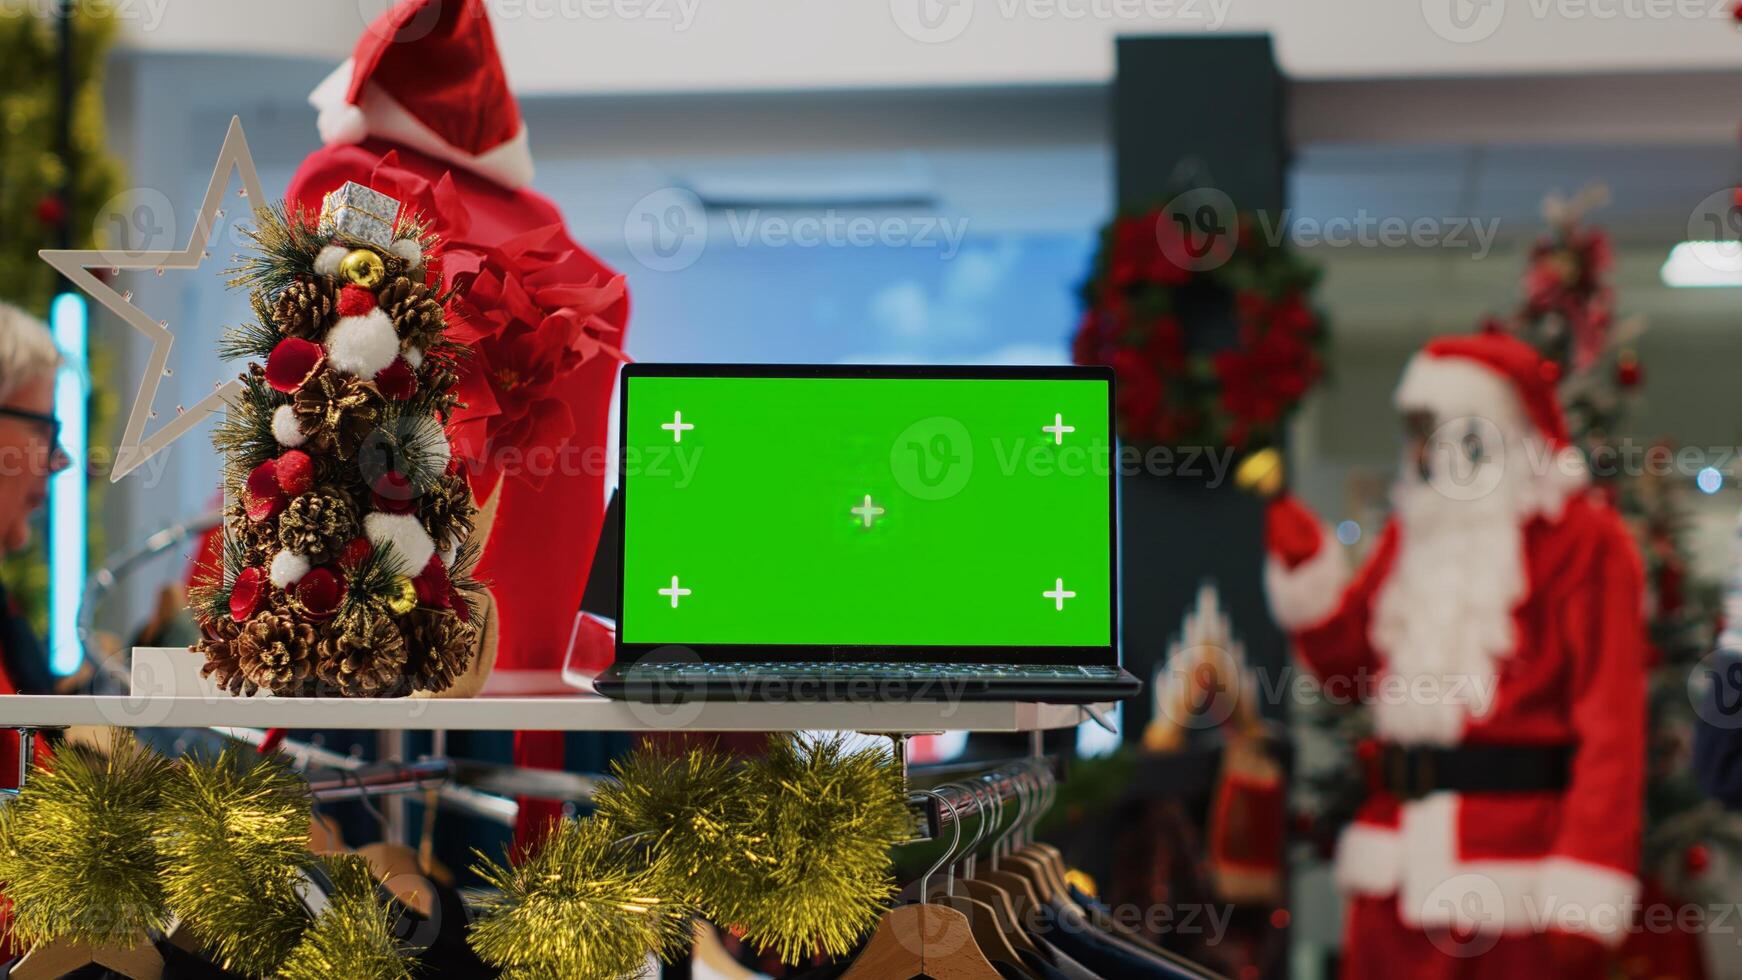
(422, 112)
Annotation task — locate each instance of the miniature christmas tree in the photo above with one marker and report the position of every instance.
(346, 566)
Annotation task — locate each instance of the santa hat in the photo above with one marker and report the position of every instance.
(1485, 375)
(1495, 376)
(426, 74)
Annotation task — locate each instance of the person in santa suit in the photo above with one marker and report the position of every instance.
(422, 112)
(1496, 634)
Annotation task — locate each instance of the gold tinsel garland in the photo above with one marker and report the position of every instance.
(791, 848)
(353, 938)
(234, 842)
(583, 906)
(77, 848)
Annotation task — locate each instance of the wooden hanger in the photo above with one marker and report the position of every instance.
(399, 868)
(57, 959)
(706, 947)
(1003, 911)
(989, 933)
(924, 940)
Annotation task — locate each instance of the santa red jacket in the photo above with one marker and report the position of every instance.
(1515, 862)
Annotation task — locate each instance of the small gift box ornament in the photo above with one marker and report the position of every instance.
(355, 212)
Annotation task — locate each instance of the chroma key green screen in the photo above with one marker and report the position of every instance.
(904, 510)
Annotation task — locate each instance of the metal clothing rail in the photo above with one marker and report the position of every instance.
(378, 779)
(1017, 781)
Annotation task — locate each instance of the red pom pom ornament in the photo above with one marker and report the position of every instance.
(292, 363)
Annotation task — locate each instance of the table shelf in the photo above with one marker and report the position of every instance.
(573, 713)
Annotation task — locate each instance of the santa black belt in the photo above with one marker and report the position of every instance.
(1412, 772)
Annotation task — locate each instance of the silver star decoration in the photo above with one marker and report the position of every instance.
(75, 264)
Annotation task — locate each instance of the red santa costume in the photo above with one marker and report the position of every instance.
(422, 112)
(1496, 633)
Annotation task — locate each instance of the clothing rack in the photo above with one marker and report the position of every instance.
(1016, 781)
(379, 779)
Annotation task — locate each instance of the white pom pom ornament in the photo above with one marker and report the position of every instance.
(287, 569)
(362, 345)
(410, 542)
(409, 250)
(327, 261)
(285, 427)
(414, 357)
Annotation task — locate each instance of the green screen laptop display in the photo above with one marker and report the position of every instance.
(894, 508)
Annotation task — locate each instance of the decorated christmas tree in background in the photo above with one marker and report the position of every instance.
(46, 193)
(346, 563)
(1569, 315)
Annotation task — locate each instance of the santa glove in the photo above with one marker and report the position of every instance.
(1291, 532)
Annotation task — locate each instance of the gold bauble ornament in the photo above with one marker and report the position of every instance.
(362, 267)
(404, 599)
(1260, 473)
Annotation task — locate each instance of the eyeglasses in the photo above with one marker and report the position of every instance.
(49, 423)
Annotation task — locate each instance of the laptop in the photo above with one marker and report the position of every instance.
(828, 533)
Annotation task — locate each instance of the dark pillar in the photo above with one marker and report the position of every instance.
(1191, 116)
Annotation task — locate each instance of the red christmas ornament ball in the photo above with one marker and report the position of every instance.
(392, 493)
(355, 301)
(51, 211)
(292, 363)
(265, 498)
(1628, 373)
(1696, 859)
(432, 585)
(295, 472)
(320, 593)
(245, 595)
(356, 553)
(397, 380)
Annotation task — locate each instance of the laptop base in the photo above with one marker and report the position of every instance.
(871, 683)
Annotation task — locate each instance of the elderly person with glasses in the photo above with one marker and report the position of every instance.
(30, 453)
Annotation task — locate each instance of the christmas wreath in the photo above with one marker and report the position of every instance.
(1151, 278)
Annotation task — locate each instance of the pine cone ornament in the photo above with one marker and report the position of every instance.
(222, 663)
(415, 311)
(277, 652)
(318, 525)
(258, 538)
(441, 646)
(447, 512)
(306, 308)
(337, 413)
(364, 656)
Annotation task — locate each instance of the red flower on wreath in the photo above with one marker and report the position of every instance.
(1139, 255)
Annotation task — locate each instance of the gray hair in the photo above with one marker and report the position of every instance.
(27, 351)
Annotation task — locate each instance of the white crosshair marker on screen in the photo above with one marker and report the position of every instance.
(1058, 595)
(677, 427)
(868, 512)
(1058, 428)
(675, 592)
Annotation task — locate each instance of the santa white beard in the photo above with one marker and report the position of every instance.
(1443, 620)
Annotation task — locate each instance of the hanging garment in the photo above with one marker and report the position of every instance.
(1106, 955)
